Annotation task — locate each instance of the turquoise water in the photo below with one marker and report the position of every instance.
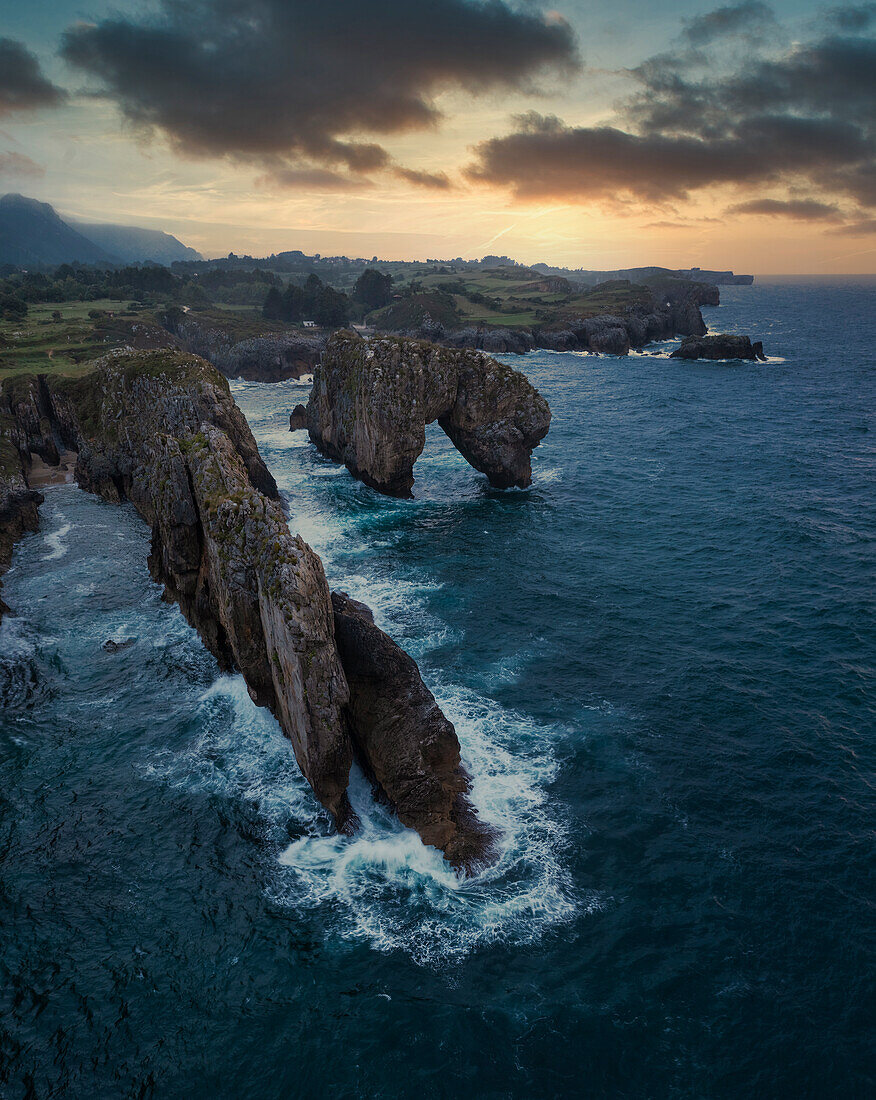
(659, 660)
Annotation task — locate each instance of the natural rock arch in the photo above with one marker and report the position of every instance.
(372, 399)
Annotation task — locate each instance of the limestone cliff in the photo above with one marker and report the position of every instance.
(18, 503)
(372, 399)
(265, 357)
(162, 430)
(410, 749)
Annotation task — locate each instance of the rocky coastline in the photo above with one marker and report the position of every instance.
(161, 430)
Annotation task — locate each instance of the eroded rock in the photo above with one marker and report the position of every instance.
(372, 399)
(723, 346)
(406, 746)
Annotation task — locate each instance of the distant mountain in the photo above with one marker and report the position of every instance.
(33, 234)
(132, 245)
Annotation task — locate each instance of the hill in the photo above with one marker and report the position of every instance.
(130, 244)
(31, 233)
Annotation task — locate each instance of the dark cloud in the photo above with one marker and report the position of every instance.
(438, 181)
(852, 17)
(805, 210)
(856, 229)
(807, 117)
(745, 19)
(23, 87)
(304, 79)
(546, 159)
(17, 164)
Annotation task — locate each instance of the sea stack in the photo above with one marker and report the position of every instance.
(372, 399)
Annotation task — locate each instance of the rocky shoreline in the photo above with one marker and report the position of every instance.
(161, 430)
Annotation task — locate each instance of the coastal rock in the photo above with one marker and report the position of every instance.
(406, 746)
(371, 402)
(298, 418)
(18, 503)
(162, 431)
(273, 357)
(723, 346)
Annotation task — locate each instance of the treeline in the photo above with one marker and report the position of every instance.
(316, 301)
(152, 284)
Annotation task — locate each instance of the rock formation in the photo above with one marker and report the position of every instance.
(723, 346)
(162, 431)
(409, 748)
(271, 357)
(371, 402)
(298, 419)
(18, 503)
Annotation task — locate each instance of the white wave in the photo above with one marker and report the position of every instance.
(55, 541)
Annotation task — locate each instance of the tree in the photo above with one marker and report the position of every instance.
(272, 310)
(373, 288)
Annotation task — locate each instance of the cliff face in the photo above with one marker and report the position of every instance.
(269, 358)
(410, 750)
(18, 503)
(668, 309)
(371, 402)
(161, 430)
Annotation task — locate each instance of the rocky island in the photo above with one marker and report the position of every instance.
(161, 430)
(722, 346)
(372, 399)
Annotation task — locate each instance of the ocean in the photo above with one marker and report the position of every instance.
(659, 660)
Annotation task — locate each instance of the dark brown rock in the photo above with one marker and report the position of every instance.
(406, 746)
(298, 418)
(723, 346)
(371, 402)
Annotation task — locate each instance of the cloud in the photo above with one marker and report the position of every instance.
(545, 158)
(852, 17)
(856, 229)
(17, 164)
(23, 87)
(746, 19)
(804, 117)
(311, 179)
(805, 210)
(255, 79)
(438, 181)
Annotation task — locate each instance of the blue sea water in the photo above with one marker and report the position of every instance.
(659, 660)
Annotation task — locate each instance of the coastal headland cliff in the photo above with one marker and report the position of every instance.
(161, 430)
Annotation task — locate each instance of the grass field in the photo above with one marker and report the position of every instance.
(39, 343)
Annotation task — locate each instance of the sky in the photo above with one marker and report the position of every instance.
(600, 134)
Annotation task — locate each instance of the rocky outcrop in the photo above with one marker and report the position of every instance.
(273, 357)
(162, 431)
(723, 346)
(371, 402)
(18, 503)
(408, 748)
(298, 419)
